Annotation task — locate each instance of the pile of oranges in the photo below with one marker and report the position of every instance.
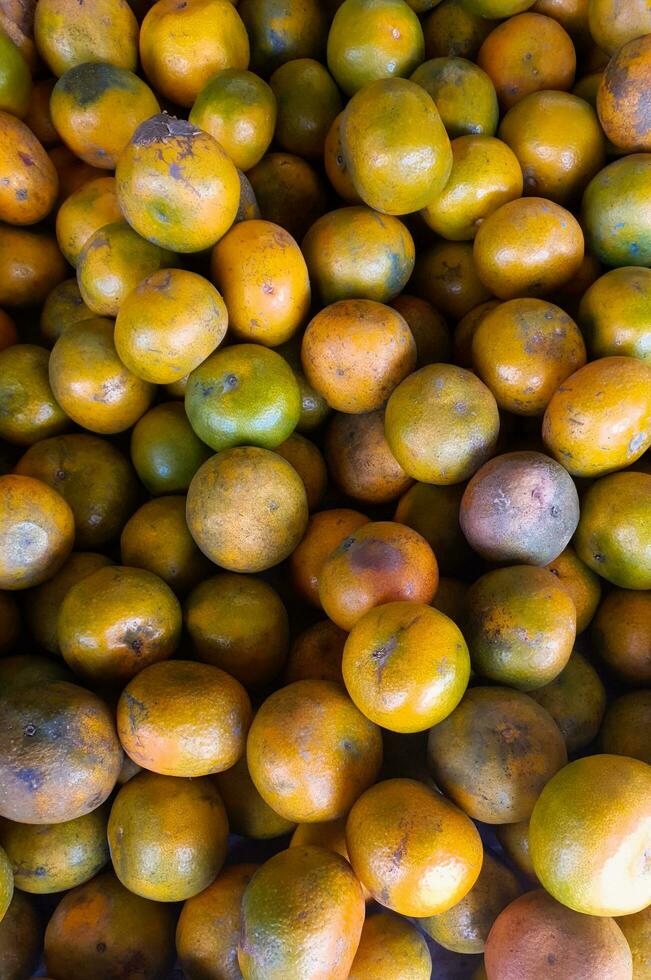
(325, 489)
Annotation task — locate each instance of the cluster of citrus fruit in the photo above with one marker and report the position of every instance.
(325, 493)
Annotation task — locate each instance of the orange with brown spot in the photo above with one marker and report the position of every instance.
(324, 532)
(36, 532)
(30, 184)
(622, 102)
(88, 209)
(68, 33)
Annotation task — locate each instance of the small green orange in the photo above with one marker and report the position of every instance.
(165, 450)
(15, 78)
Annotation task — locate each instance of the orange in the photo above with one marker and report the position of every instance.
(248, 814)
(263, 278)
(637, 930)
(446, 276)
(433, 342)
(66, 35)
(280, 30)
(91, 383)
(183, 46)
(613, 537)
(627, 726)
(570, 14)
(451, 31)
(614, 313)
(167, 836)
(21, 937)
(308, 103)
(29, 410)
(308, 461)
(406, 666)
(589, 835)
(87, 210)
(30, 184)
(580, 582)
(311, 752)
(415, 852)
(390, 948)
(60, 753)
(433, 511)
(31, 265)
(15, 79)
(360, 461)
(247, 509)
(289, 192)
(73, 172)
(389, 129)
(316, 654)
(612, 24)
(36, 532)
(614, 212)
(494, 753)
(176, 186)
(239, 110)
(514, 838)
(335, 165)
(325, 531)
(355, 352)
(441, 424)
(62, 307)
(464, 95)
(165, 451)
(105, 638)
(380, 562)
(373, 39)
(622, 108)
(621, 632)
(38, 116)
(302, 915)
(611, 399)
(496, 9)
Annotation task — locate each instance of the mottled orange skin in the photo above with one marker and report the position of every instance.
(430, 331)
(208, 929)
(390, 949)
(176, 186)
(8, 332)
(316, 654)
(627, 726)
(308, 461)
(612, 23)
(621, 102)
(308, 103)
(325, 531)
(60, 754)
(465, 927)
(31, 184)
(156, 538)
(248, 814)
(525, 54)
(280, 30)
(355, 352)
(433, 511)
(621, 632)
(92, 384)
(31, 265)
(494, 753)
(289, 191)
(614, 313)
(447, 277)
(335, 164)
(310, 752)
(599, 419)
(302, 915)
(73, 172)
(464, 96)
(528, 247)
(105, 636)
(580, 582)
(360, 461)
(514, 838)
(415, 852)
(452, 31)
(183, 47)
(69, 34)
(88, 209)
(38, 117)
(62, 307)
(558, 142)
(21, 936)
(380, 562)
(247, 509)
(36, 532)
(28, 409)
(238, 623)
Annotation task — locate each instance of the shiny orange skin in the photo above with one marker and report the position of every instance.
(280, 30)
(441, 424)
(535, 928)
(464, 95)
(73, 172)
(316, 654)
(96, 109)
(308, 461)
(514, 838)
(355, 352)
(613, 23)
(67, 36)
(38, 116)
(36, 532)
(107, 639)
(621, 632)
(614, 313)
(525, 54)
(311, 753)
(446, 275)
(247, 509)
(156, 538)
(8, 332)
(302, 916)
(577, 847)
(30, 183)
(325, 532)
(171, 322)
(61, 756)
(415, 852)
(176, 186)
(591, 437)
(87, 210)
(360, 461)
(183, 47)
(262, 275)
(165, 451)
(523, 350)
(358, 253)
(308, 103)
(238, 623)
(92, 476)
(21, 937)
(558, 142)
(627, 726)
(580, 582)
(494, 753)
(31, 265)
(380, 148)
(167, 836)
(335, 164)
(433, 342)
(528, 247)
(465, 331)
(452, 31)
(289, 192)
(433, 511)
(380, 562)
(92, 384)
(100, 926)
(62, 307)
(390, 949)
(28, 411)
(180, 718)
(622, 107)
(208, 929)
(248, 814)
(637, 930)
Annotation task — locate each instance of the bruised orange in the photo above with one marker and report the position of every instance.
(36, 532)
(68, 33)
(622, 107)
(30, 184)
(325, 531)
(83, 213)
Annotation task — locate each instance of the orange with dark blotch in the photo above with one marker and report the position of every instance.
(68, 33)
(325, 531)
(360, 461)
(85, 211)
(31, 265)
(36, 532)
(30, 185)
(622, 99)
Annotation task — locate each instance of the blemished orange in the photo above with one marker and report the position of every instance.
(69, 34)
(621, 103)
(360, 461)
(239, 109)
(325, 531)
(390, 948)
(37, 530)
(30, 183)
(83, 213)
